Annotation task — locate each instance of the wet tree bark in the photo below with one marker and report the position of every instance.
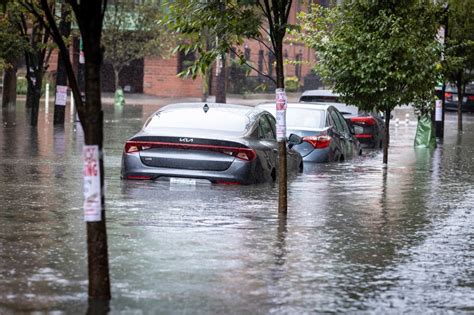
(221, 81)
(459, 109)
(9, 85)
(89, 16)
(282, 158)
(61, 75)
(92, 121)
(386, 143)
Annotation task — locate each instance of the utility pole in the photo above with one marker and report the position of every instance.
(439, 116)
(61, 75)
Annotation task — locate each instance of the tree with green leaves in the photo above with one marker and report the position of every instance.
(89, 16)
(131, 32)
(458, 64)
(37, 51)
(210, 29)
(11, 48)
(376, 55)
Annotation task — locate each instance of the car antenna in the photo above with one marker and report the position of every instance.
(205, 108)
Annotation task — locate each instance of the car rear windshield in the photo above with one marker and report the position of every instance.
(195, 118)
(302, 118)
(319, 98)
(299, 118)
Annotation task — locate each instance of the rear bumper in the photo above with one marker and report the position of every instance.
(453, 106)
(318, 156)
(239, 171)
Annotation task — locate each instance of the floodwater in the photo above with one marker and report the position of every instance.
(356, 239)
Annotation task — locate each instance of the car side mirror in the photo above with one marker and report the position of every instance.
(294, 140)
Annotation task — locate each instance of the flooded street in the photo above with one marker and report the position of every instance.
(356, 239)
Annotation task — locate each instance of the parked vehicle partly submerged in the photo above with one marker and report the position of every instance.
(451, 98)
(218, 143)
(369, 127)
(326, 135)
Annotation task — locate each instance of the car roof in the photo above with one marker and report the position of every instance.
(319, 93)
(198, 115)
(311, 106)
(216, 106)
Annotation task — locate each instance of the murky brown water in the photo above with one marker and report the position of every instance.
(356, 238)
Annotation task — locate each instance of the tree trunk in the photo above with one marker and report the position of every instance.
(460, 97)
(282, 164)
(9, 85)
(221, 81)
(386, 143)
(116, 78)
(35, 98)
(206, 85)
(61, 75)
(92, 122)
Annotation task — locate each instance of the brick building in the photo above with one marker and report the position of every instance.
(158, 76)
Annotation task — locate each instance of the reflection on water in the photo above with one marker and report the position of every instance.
(357, 237)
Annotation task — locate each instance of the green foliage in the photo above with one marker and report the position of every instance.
(458, 65)
(238, 77)
(21, 86)
(210, 29)
(12, 45)
(131, 32)
(377, 55)
(292, 84)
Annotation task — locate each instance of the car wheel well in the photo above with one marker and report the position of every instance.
(273, 174)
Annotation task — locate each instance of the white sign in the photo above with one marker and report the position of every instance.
(92, 192)
(281, 104)
(281, 125)
(61, 95)
(438, 110)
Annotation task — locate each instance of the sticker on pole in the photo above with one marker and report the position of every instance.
(281, 104)
(61, 95)
(281, 99)
(438, 110)
(92, 192)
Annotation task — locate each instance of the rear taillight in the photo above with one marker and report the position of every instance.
(470, 97)
(448, 95)
(364, 136)
(244, 154)
(364, 121)
(138, 177)
(318, 142)
(224, 182)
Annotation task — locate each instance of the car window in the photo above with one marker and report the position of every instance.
(227, 120)
(265, 129)
(343, 123)
(302, 118)
(272, 122)
(337, 122)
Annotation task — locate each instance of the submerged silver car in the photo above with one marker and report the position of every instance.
(219, 143)
(325, 133)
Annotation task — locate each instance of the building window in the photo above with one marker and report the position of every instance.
(260, 61)
(247, 52)
(299, 58)
(185, 60)
(271, 61)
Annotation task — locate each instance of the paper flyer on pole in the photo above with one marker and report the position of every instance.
(92, 192)
(438, 110)
(281, 104)
(61, 95)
